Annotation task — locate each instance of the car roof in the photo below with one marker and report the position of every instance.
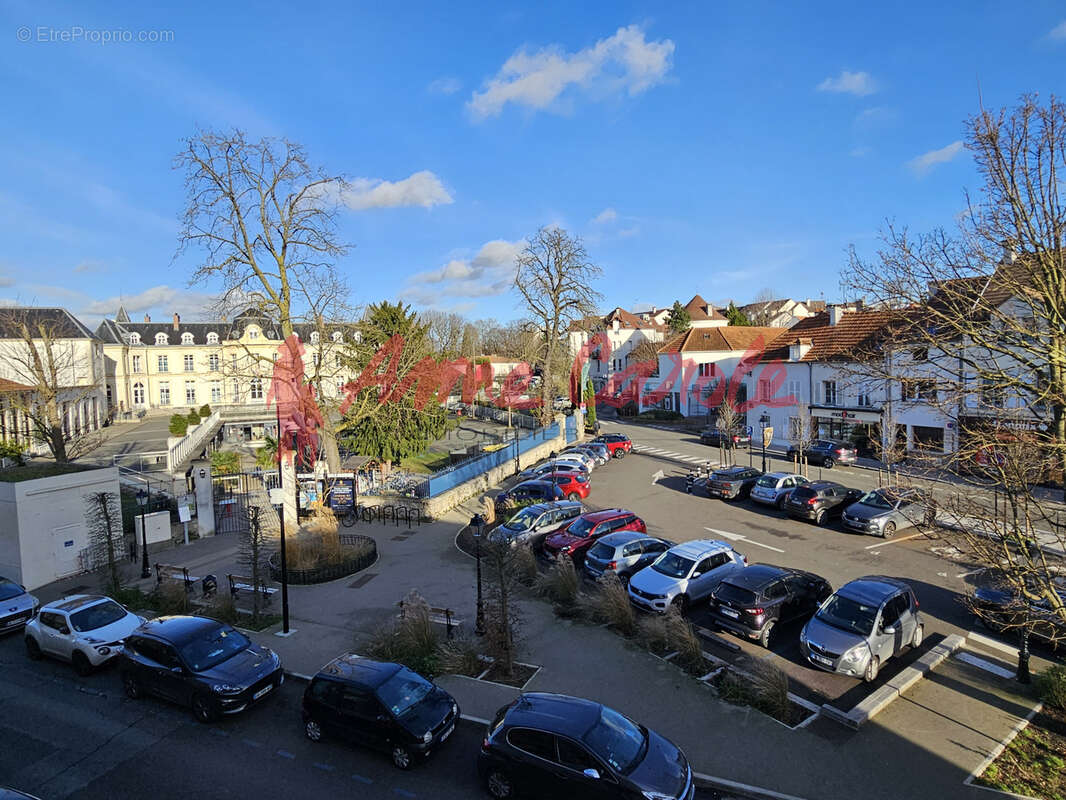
(819, 485)
(179, 629)
(74, 602)
(537, 482)
(756, 576)
(699, 548)
(872, 589)
(555, 713)
(540, 508)
(779, 475)
(622, 537)
(357, 669)
(735, 469)
(605, 513)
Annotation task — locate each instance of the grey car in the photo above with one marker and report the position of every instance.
(882, 512)
(862, 625)
(530, 525)
(594, 449)
(623, 553)
(16, 606)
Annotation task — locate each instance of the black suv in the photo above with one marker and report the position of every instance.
(752, 601)
(198, 662)
(819, 501)
(825, 453)
(732, 483)
(383, 706)
(537, 491)
(551, 745)
(738, 437)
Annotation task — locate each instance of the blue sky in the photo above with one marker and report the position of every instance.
(716, 148)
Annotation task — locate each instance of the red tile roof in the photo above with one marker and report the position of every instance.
(724, 339)
(700, 310)
(7, 386)
(855, 331)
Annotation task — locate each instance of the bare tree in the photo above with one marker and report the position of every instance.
(800, 435)
(555, 278)
(103, 519)
(445, 331)
(502, 618)
(252, 556)
(728, 418)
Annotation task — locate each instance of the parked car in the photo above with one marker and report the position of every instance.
(825, 453)
(538, 490)
(600, 454)
(623, 553)
(819, 501)
(578, 536)
(85, 629)
(534, 473)
(732, 483)
(532, 523)
(561, 403)
(862, 625)
(16, 606)
(575, 485)
(618, 443)
(736, 437)
(579, 457)
(554, 746)
(883, 511)
(379, 705)
(1000, 609)
(754, 600)
(684, 574)
(198, 662)
(773, 488)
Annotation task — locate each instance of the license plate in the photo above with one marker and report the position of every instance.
(262, 691)
(821, 660)
(730, 613)
(447, 733)
(13, 622)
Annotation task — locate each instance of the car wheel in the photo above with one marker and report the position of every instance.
(889, 530)
(313, 730)
(765, 634)
(828, 463)
(873, 666)
(499, 785)
(819, 517)
(623, 579)
(681, 603)
(134, 690)
(619, 453)
(33, 650)
(573, 496)
(81, 663)
(203, 709)
(401, 757)
(919, 634)
(781, 503)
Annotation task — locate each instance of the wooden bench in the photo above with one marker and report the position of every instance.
(169, 572)
(441, 616)
(242, 583)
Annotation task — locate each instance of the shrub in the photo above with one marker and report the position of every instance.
(225, 462)
(660, 414)
(223, 608)
(179, 425)
(611, 605)
(170, 597)
(683, 639)
(652, 632)
(411, 641)
(765, 688)
(1051, 687)
(560, 584)
(11, 450)
(193, 417)
(205, 411)
(459, 656)
(525, 566)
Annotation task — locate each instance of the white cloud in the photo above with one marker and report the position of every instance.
(856, 83)
(489, 273)
(623, 63)
(157, 298)
(926, 161)
(1058, 33)
(6, 280)
(607, 215)
(420, 189)
(90, 266)
(445, 86)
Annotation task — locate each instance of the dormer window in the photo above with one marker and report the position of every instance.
(160, 338)
(253, 332)
(135, 338)
(212, 338)
(186, 338)
(314, 337)
(338, 336)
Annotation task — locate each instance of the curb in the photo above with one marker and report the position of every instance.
(297, 675)
(878, 700)
(705, 781)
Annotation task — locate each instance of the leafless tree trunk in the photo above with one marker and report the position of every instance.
(728, 418)
(502, 619)
(103, 518)
(800, 436)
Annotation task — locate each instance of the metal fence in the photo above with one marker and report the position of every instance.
(571, 429)
(456, 474)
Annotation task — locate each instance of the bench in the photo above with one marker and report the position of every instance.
(441, 616)
(242, 583)
(164, 572)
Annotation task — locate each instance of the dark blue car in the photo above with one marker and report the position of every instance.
(529, 491)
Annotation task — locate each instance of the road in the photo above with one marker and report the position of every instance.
(68, 737)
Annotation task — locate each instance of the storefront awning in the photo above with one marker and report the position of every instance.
(846, 415)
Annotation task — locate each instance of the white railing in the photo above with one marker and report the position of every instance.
(193, 440)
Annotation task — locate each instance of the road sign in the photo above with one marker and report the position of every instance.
(749, 430)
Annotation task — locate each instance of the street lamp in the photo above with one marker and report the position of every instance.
(764, 420)
(143, 497)
(477, 522)
(278, 500)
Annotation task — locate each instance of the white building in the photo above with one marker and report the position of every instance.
(624, 331)
(781, 313)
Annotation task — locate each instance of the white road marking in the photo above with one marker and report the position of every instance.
(894, 541)
(987, 666)
(744, 787)
(737, 537)
(942, 574)
(968, 574)
(658, 476)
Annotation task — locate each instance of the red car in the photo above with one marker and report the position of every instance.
(617, 443)
(575, 485)
(575, 539)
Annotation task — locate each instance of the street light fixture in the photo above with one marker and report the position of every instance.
(477, 522)
(764, 420)
(143, 497)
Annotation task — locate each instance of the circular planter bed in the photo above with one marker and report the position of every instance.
(359, 553)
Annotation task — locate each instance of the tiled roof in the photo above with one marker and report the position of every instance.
(58, 322)
(699, 309)
(724, 339)
(114, 332)
(855, 331)
(7, 387)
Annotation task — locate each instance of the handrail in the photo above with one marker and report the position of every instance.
(193, 440)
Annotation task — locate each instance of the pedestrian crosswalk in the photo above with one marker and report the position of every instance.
(656, 451)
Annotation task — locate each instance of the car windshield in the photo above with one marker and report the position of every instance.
(673, 565)
(580, 527)
(403, 690)
(601, 550)
(522, 520)
(736, 595)
(848, 615)
(210, 648)
(766, 480)
(875, 500)
(93, 617)
(9, 589)
(616, 740)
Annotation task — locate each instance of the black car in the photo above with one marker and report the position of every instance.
(752, 601)
(737, 437)
(538, 491)
(825, 453)
(732, 483)
(551, 745)
(819, 501)
(198, 662)
(383, 706)
(1000, 609)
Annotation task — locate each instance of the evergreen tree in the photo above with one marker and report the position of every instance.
(679, 319)
(736, 316)
(590, 405)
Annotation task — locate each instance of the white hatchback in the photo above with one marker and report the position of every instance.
(85, 629)
(774, 487)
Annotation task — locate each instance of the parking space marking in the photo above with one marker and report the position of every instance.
(252, 742)
(987, 666)
(893, 541)
(324, 767)
(362, 779)
(285, 754)
(737, 537)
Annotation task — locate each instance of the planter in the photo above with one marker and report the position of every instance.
(328, 572)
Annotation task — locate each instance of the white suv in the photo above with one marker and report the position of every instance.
(84, 629)
(683, 574)
(773, 488)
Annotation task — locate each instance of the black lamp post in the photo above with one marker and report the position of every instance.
(477, 522)
(143, 497)
(281, 531)
(764, 420)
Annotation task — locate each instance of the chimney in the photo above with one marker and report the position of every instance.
(615, 325)
(177, 321)
(835, 314)
(798, 349)
(147, 319)
(1010, 255)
